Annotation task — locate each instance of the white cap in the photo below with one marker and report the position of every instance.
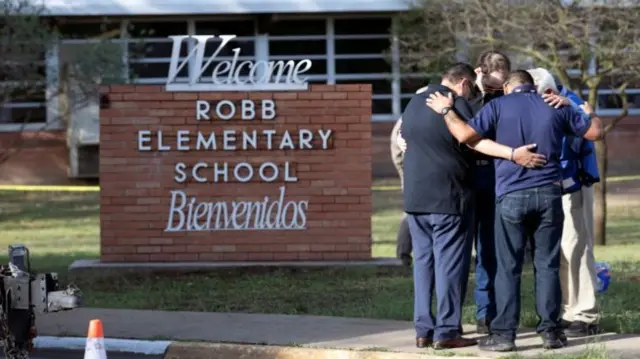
(543, 80)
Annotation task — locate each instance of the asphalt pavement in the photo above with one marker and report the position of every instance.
(63, 354)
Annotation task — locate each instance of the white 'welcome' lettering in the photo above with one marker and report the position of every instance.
(226, 75)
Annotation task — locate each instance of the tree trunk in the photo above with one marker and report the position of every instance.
(600, 193)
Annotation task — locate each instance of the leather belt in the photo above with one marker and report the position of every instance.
(482, 163)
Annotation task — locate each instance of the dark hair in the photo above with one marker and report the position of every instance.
(460, 71)
(490, 61)
(520, 77)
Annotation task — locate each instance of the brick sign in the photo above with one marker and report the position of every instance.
(234, 176)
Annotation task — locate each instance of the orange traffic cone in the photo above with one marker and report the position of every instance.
(95, 341)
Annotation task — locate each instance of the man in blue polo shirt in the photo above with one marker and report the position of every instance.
(529, 202)
(438, 200)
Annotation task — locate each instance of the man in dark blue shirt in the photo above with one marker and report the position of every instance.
(438, 201)
(529, 202)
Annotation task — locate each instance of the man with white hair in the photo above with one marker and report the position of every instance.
(578, 272)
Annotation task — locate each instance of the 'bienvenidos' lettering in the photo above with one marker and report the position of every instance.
(187, 213)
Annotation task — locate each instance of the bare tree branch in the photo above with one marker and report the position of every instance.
(26, 35)
(625, 109)
(557, 35)
(563, 36)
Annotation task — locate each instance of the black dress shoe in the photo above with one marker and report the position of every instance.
(458, 342)
(553, 340)
(579, 329)
(562, 337)
(482, 326)
(496, 343)
(424, 342)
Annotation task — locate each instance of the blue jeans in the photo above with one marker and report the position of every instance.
(442, 246)
(533, 214)
(484, 293)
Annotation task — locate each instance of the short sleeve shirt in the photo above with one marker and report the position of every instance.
(437, 168)
(522, 118)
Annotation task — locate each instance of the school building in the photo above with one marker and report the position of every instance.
(349, 41)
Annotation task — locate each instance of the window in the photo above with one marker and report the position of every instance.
(379, 46)
(363, 26)
(25, 104)
(298, 40)
(151, 55)
(23, 113)
(243, 44)
(314, 50)
(363, 66)
(612, 101)
(283, 48)
(317, 81)
(608, 99)
(298, 27)
(155, 38)
(362, 56)
(244, 41)
(154, 70)
(613, 83)
(240, 28)
(22, 91)
(382, 106)
(27, 66)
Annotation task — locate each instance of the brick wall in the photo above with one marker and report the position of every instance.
(136, 186)
(34, 158)
(623, 147)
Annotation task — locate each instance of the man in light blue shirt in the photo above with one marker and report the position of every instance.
(580, 172)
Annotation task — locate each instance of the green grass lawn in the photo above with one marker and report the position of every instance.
(62, 226)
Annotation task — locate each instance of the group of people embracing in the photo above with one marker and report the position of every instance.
(503, 161)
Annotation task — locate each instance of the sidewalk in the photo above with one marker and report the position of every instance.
(308, 331)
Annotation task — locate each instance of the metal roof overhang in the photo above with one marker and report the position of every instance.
(216, 7)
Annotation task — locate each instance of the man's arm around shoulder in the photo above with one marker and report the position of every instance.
(485, 123)
(454, 112)
(595, 132)
(591, 128)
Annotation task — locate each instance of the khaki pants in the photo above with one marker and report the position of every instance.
(578, 267)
